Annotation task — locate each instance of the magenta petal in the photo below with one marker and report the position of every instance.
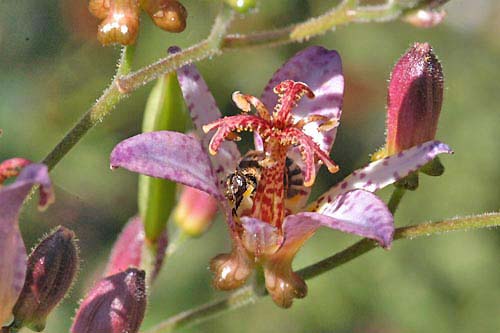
(169, 155)
(321, 70)
(127, 250)
(381, 173)
(358, 212)
(204, 110)
(13, 253)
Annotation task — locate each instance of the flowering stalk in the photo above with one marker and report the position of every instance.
(218, 42)
(266, 208)
(246, 296)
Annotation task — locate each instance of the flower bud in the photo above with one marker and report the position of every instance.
(195, 211)
(414, 99)
(116, 304)
(169, 15)
(165, 110)
(129, 250)
(52, 267)
(121, 24)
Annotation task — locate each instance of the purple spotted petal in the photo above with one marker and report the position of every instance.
(199, 99)
(381, 173)
(357, 212)
(12, 251)
(203, 110)
(321, 70)
(169, 155)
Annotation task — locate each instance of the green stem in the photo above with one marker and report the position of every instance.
(395, 199)
(95, 114)
(218, 42)
(247, 295)
(346, 12)
(207, 48)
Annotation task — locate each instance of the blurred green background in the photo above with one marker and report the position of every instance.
(52, 69)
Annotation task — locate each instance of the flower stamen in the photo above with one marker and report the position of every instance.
(279, 132)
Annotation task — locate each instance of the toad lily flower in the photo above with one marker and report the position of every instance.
(298, 131)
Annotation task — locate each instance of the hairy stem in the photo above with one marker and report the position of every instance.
(247, 295)
(95, 114)
(346, 12)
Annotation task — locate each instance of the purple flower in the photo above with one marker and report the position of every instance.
(273, 228)
(13, 259)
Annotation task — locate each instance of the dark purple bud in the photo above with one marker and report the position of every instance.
(414, 99)
(52, 267)
(116, 304)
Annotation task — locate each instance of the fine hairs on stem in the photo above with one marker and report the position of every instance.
(247, 295)
(218, 41)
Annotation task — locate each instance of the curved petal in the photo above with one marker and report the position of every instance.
(381, 173)
(204, 110)
(321, 70)
(169, 155)
(358, 212)
(13, 253)
(199, 99)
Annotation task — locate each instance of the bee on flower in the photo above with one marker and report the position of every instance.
(263, 195)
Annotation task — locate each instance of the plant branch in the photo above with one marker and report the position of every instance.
(95, 114)
(247, 295)
(395, 199)
(217, 42)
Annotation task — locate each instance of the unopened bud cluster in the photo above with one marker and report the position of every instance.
(120, 23)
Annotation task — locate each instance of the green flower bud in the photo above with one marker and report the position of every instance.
(165, 110)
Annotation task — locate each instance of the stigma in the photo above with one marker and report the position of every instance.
(280, 131)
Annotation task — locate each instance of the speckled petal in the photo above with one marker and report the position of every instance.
(204, 110)
(169, 155)
(321, 70)
(13, 253)
(381, 173)
(357, 212)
